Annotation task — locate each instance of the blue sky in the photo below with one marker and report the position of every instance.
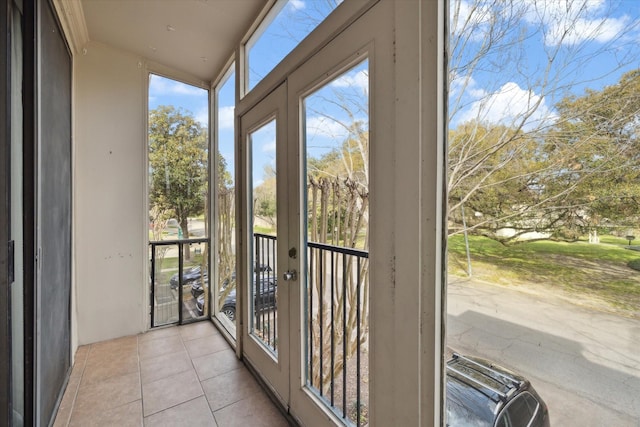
(600, 45)
(163, 91)
(296, 20)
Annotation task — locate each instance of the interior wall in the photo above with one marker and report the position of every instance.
(110, 128)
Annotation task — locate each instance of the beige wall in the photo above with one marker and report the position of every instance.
(109, 194)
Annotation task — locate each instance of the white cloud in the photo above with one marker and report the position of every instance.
(358, 80)
(226, 117)
(508, 106)
(467, 84)
(574, 22)
(549, 11)
(323, 127)
(269, 147)
(465, 17)
(599, 30)
(297, 4)
(202, 116)
(564, 21)
(162, 86)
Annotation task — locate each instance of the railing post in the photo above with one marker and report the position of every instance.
(256, 282)
(153, 284)
(180, 266)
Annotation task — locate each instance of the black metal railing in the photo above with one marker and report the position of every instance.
(264, 290)
(179, 281)
(337, 329)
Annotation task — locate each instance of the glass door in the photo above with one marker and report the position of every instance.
(337, 142)
(17, 236)
(270, 264)
(308, 152)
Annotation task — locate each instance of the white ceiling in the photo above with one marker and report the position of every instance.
(192, 36)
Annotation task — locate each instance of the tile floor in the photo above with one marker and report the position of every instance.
(183, 375)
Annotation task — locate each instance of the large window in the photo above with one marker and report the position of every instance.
(225, 100)
(543, 182)
(286, 25)
(178, 200)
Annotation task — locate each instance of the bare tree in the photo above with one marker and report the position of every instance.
(501, 105)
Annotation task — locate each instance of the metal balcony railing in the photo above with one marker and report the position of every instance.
(264, 287)
(337, 329)
(336, 310)
(179, 281)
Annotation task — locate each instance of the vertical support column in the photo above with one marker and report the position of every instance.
(407, 242)
(5, 174)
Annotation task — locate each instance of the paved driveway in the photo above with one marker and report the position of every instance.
(584, 363)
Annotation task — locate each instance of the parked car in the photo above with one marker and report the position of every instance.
(173, 227)
(200, 304)
(196, 286)
(188, 276)
(259, 268)
(265, 298)
(482, 394)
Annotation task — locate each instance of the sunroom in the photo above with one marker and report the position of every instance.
(316, 247)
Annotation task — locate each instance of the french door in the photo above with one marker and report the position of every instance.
(307, 151)
(265, 302)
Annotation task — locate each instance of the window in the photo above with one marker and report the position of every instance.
(178, 174)
(520, 412)
(286, 25)
(543, 166)
(225, 194)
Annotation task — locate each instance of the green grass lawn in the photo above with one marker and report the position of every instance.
(172, 262)
(602, 271)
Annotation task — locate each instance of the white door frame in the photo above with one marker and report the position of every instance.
(370, 37)
(273, 367)
(408, 130)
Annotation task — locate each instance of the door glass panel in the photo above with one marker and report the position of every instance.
(225, 192)
(287, 24)
(262, 283)
(178, 197)
(336, 143)
(17, 288)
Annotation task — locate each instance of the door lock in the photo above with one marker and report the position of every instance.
(290, 275)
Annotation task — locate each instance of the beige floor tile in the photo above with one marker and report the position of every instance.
(171, 391)
(194, 413)
(68, 399)
(229, 388)
(114, 366)
(158, 333)
(128, 415)
(255, 411)
(206, 345)
(197, 330)
(158, 375)
(107, 394)
(160, 346)
(215, 364)
(124, 345)
(81, 355)
(164, 366)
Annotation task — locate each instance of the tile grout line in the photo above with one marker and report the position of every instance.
(140, 379)
(77, 388)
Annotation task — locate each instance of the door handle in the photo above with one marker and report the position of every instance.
(290, 275)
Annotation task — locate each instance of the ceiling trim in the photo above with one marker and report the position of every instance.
(73, 23)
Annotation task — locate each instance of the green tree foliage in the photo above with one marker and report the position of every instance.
(600, 134)
(523, 152)
(582, 174)
(177, 163)
(264, 197)
(503, 185)
(351, 160)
